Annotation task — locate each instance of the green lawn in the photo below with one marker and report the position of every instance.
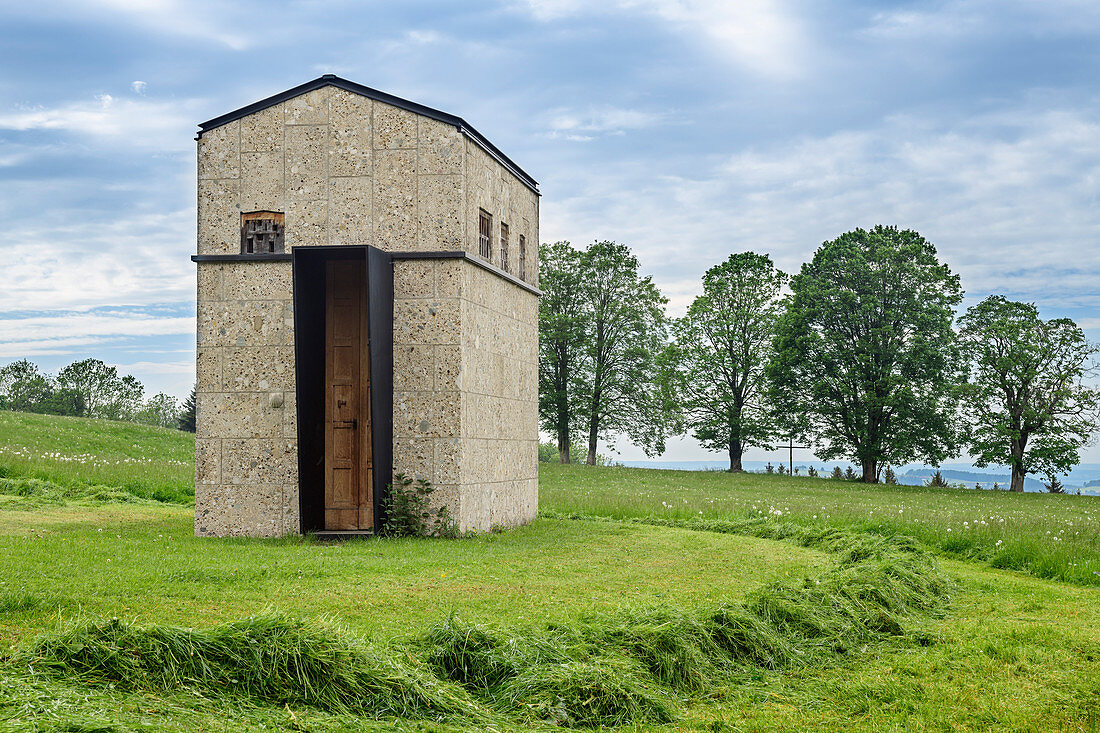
(1015, 650)
(148, 462)
(1049, 535)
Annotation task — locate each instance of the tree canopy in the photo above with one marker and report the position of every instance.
(1026, 401)
(865, 356)
(723, 344)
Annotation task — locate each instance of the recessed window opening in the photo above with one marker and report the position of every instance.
(522, 257)
(262, 232)
(504, 246)
(484, 234)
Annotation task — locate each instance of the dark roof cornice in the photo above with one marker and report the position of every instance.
(332, 80)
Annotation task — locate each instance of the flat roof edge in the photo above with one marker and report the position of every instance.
(332, 80)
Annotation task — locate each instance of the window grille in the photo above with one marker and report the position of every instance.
(484, 235)
(504, 246)
(522, 257)
(262, 233)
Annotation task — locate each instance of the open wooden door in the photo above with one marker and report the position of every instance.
(348, 471)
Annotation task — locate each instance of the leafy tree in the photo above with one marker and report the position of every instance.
(60, 402)
(97, 383)
(187, 414)
(162, 410)
(22, 386)
(624, 377)
(864, 351)
(562, 321)
(723, 345)
(1026, 399)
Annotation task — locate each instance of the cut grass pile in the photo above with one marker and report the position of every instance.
(32, 493)
(137, 460)
(626, 668)
(1047, 535)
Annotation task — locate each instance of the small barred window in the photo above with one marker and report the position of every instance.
(522, 257)
(262, 233)
(485, 234)
(504, 246)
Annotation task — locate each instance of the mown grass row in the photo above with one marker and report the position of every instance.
(1047, 535)
(623, 668)
(32, 493)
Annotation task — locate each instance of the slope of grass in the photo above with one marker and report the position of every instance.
(144, 563)
(631, 667)
(143, 461)
(1048, 535)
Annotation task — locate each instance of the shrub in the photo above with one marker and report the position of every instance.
(769, 468)
(889, 477)
(1054, 486)
(849, 474)
(938, 480)
(837, 473)
(409, 513)
(811, 472)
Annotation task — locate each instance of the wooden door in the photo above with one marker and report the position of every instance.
(349, 501)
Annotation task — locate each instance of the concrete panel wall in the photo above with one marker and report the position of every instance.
(346, 169)
(246, 457)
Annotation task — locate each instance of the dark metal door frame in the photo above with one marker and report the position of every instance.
(308, 268)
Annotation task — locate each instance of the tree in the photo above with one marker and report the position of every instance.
(938, 481)
(865, 354)
(562, 321)
(187, 414)
(162, 410)
(624, 379)
(723, 345)
(1025, 397)
(97, 383)
(889, 477)
(60, 402)
(22, 386)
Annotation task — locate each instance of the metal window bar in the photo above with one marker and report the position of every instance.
(484, 235)
(504, 246)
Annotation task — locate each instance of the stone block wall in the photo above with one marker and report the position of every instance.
(347, 169)
(466, 389)
(246, 457)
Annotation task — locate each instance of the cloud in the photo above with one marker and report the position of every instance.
(67, 332)
(1007, 197)
(969, 19)
(584, 125)
(138, 87)
(143, 123)
(762, 36)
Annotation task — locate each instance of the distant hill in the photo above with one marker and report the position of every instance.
(918, 476)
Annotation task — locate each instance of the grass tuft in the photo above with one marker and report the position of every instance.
(269, 658)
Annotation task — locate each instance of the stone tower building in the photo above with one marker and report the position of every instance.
(367, 306)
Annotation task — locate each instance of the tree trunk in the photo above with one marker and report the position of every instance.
(1018, 474)
(563, 446)
(591, 449)
(870, 471)
(736, 450)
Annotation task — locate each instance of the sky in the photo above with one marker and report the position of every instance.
(687, 129)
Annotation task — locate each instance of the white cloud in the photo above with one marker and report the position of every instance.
(762, 36)
(966, 19)
(584, 125)
(144, 123)
(62, 333)
(138, 87)
(1008, 199)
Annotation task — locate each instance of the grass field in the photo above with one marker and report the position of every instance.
(1011, 650)
(1049, 535)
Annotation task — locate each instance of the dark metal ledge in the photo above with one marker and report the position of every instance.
(281, 257)
(473, 260)
(431, 255)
